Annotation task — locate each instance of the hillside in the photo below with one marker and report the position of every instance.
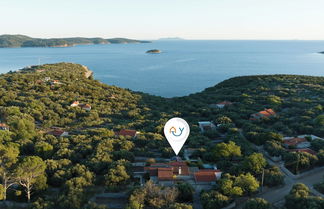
(25, 41)
(37, 100)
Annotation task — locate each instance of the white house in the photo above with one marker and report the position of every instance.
(206, 126)
(221, 104)
(75, 104)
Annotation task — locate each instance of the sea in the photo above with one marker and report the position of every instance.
(184, 66)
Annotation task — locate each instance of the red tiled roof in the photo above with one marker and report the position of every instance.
(127, 132)
(180, 165)
(57, 132)
(206, 175)
(225, 103)
(174, 166)
(267, 112)
(165, 174)
(4, 125)
(85, 106)
(307, 150)
(294, 141)
(264, 113)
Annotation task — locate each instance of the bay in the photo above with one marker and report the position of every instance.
(183, 67)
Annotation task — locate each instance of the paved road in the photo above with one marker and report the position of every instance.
(277, 194)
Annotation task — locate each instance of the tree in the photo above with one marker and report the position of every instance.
(181, 206)
(273, 176)
(186, 192)
(299, 198)
(228, 188)
(274, 148)
(28, 170)
(116, 175)
(247, 182)
(152, 196)
(320, 120)
(224, 120)
(228, 150)
(8, 158)
(2, 192)
(257, 203)
(214, 199)
(43, 149)
(255, 163)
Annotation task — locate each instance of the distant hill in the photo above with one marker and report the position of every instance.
(10, 41)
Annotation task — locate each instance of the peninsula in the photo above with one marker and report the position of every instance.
(12, 41)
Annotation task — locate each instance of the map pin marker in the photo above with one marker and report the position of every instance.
(176, 130)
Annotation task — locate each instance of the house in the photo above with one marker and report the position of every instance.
(138, 171)
(267, 113)
(75, 104)
(86, 107)
(207, 175)
(47, 79)
(180, 168)
(312, 137)
(167, 171)
(165, 174)
(40, 70)
(297, 142)
(127, 133)
(306, 150)
(55, 82)
(58, 132)
(221, 104)
(4, 127)
(206, 126)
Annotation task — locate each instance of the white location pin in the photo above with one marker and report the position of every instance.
(176, 130)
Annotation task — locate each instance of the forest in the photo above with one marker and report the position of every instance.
(65, 172)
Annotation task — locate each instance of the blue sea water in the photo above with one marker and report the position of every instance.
(183, 67)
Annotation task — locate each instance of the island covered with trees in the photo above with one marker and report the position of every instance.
(10, 41)
(67, 139)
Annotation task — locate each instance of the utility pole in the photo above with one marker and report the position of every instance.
(298, 158)
(262, 180)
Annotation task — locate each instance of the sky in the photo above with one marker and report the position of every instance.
(153, 19)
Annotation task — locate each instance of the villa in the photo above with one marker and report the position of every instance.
(221, 104)
(58, 132)
(167, 171)
(4, 127)
(86, 107)
(267, 113)
(127, 133)
(206, 126)
(55, 82)
(297, 142)
(207, 175)
(75, 104)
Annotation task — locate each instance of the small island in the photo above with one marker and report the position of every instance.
(321, 52)
(153, 51)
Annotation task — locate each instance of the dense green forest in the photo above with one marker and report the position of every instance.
(25, 41)
(65, 172)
